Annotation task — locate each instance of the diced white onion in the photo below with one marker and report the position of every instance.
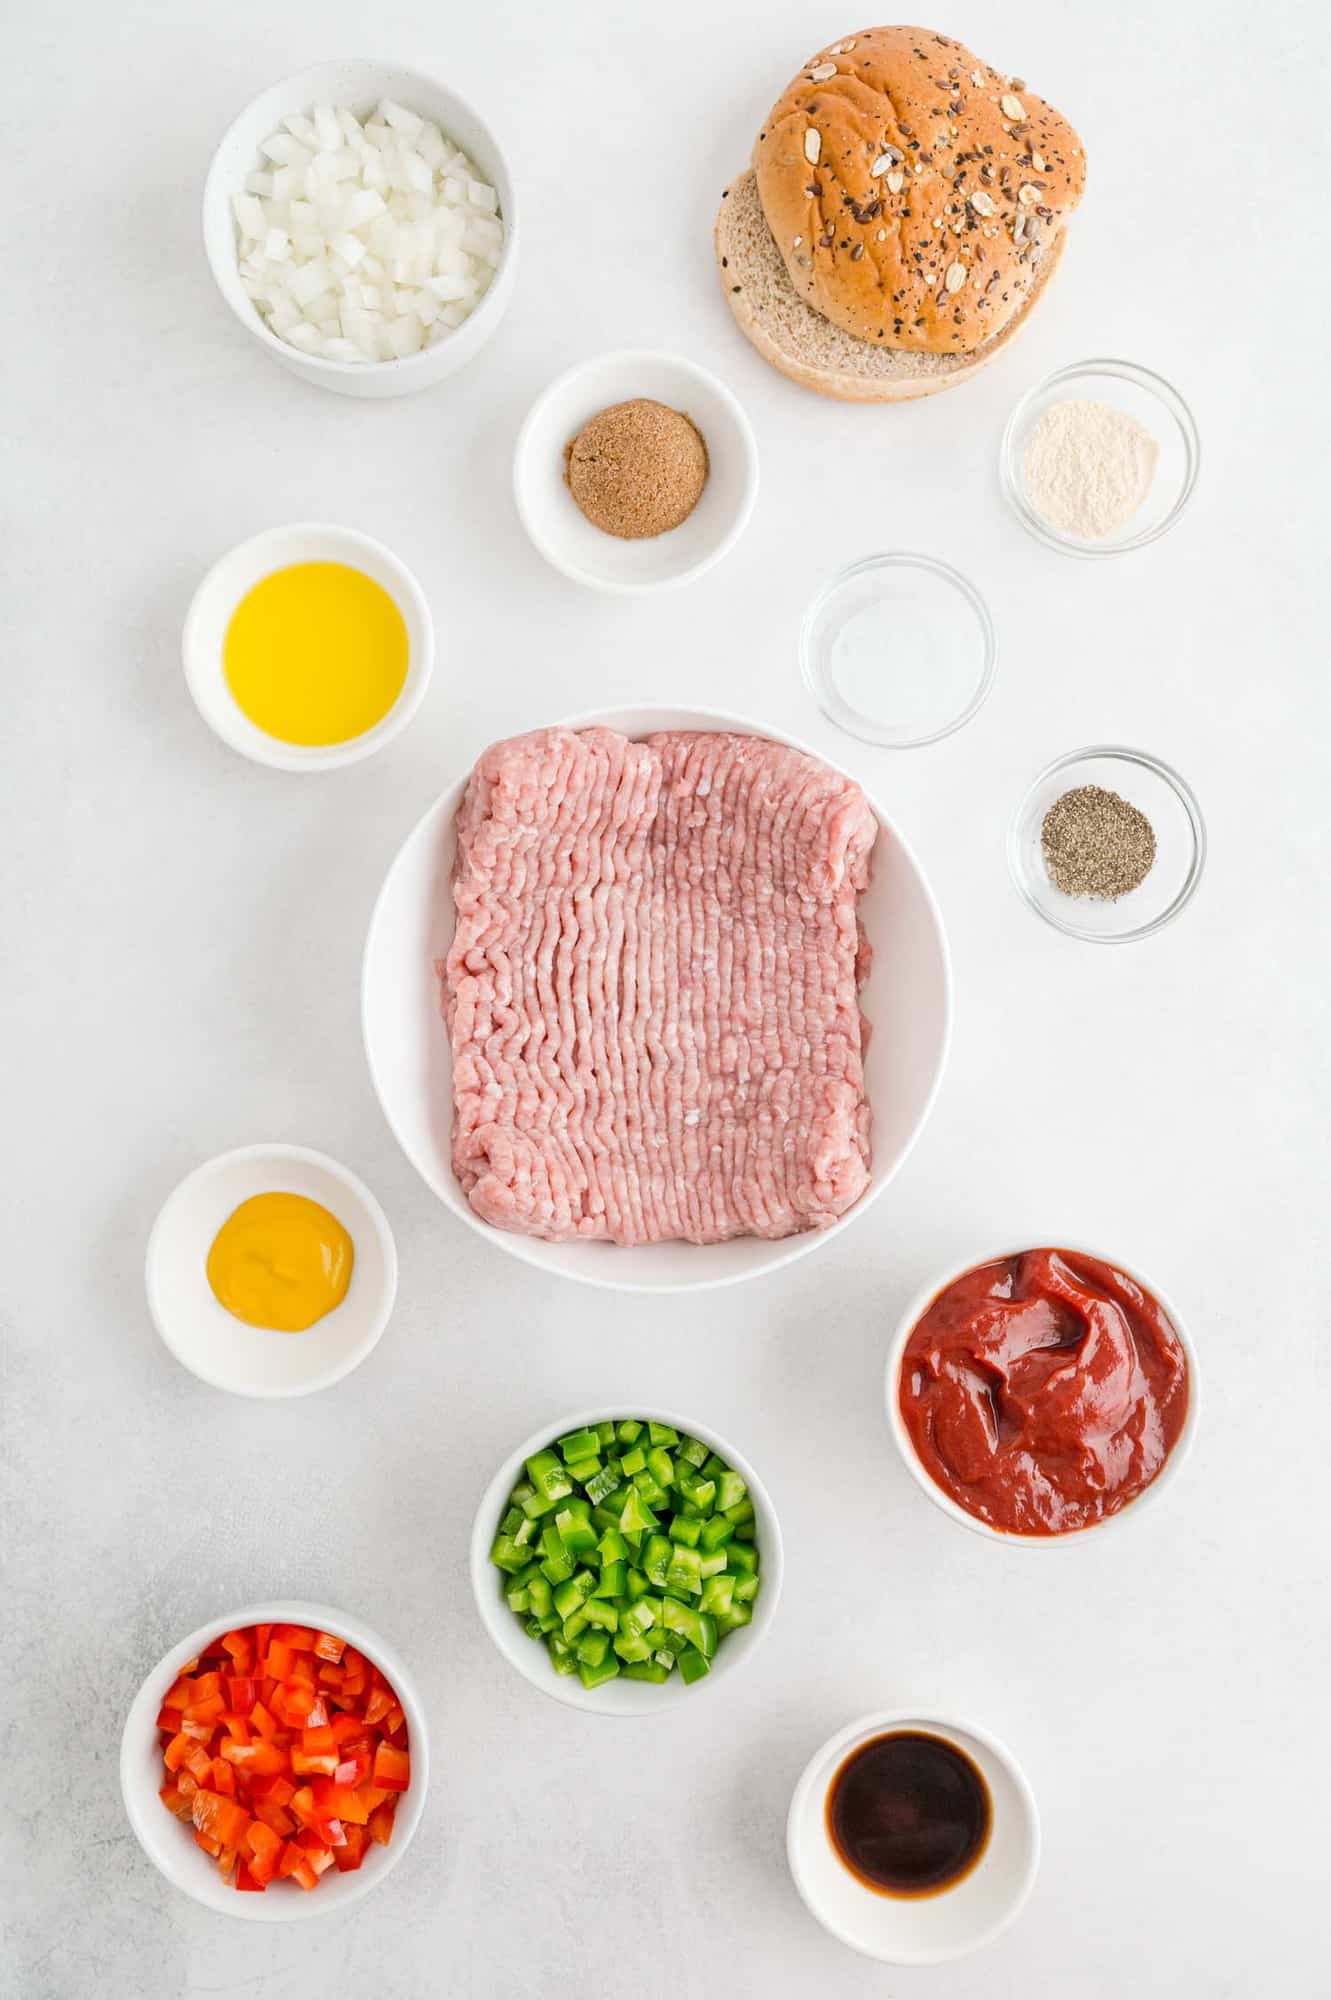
(366, 241)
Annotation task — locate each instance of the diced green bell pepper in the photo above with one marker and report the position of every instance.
(603, 1483)
(693, 1450)
(598, 1611)
(716, 1532)
(633, 1461)
(637, 1515)
(662, 1434)
(508, 1554)
(656, 1559)
(693, 1664)
(730, 1490)
(592, 1677)
(646, 1670)
(559, 1562)
(613, 1580)
(685, 1574)
(579, 1444)
(661, 1465)
(548, 1476)
(573, 1521)
(628, 1430)
(571, 1596)
(687, 1531)
(718, 1593)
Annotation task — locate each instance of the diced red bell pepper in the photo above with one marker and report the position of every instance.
(261, 1721)
(392, 1768)
(300, 1638)
(223, 1819)
(242, 1691)
(239, 1646)
(258, 1760)
(377, 1707)
(271, 1783)
(198, 1763)
(263, 1850)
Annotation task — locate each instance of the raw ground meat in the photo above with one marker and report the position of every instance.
(652, 990)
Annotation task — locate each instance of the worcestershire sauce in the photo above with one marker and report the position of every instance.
(909, 1814)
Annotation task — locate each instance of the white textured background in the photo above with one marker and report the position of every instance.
(182, 934)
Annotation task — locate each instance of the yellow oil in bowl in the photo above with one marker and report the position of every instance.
(316, 653)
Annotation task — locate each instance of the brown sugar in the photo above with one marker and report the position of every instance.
(637, 469)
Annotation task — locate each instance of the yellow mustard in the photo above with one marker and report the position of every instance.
(280, 1261)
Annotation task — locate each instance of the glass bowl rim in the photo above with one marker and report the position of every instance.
(869, 732)
(1163, 393)
(1182, 791)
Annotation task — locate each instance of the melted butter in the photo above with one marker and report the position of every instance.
(280, 1261)
(316, 653)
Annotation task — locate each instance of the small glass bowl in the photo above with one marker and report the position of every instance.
(1157, 407)
(898, 650)
(1180, 850)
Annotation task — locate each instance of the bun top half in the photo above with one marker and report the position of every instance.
(912, 190)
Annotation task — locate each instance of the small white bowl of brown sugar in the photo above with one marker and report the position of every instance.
(1100, 458)
(635, 470)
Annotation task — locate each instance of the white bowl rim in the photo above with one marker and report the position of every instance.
(528, 1249)
(952, 1728)
(601, 1701)
(1165, 394)
(325, 1618)
(277, 1151)
(916, 1309)
(404, 365)
(271, 750)
(658, 357)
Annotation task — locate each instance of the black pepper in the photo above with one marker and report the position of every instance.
(1096, 844)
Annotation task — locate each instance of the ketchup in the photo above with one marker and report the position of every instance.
(1043, 1392)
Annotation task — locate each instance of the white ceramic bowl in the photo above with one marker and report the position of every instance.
(252, 1360)
(556, 524)
(170, 1845)
(915, 1311)
(619, 1696)
(916, 1930)
(908, 993)
(357, 84)
(234, 575)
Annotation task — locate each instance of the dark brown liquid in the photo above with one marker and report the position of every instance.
(909, 1814)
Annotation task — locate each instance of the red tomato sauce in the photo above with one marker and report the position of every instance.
(1043, 1392)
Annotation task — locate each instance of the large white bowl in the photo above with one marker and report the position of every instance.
(916, 1930)
(619, 1696)
(358, 84)
(908, 999)
(910, 1319)
(170, 1846)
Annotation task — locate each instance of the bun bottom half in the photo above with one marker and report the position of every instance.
(808, 348)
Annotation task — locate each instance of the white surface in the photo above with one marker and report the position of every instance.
(1163, 1482)
(171, 1846)
(412, 929)
(182, 942)
(558, 526)
(620, 1697)
(917, 1930)
(355, 85)
(229, 582)
(255, 1360)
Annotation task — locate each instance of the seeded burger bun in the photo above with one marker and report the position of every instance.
(904, 212)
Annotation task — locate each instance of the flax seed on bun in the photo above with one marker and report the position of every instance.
(905, 211)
